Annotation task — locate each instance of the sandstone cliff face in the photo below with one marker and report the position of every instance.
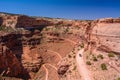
(16, 58)
(9, 63)
(105, 35)
(1, 21)
(16, 21)
(25, 21)
(9, 20)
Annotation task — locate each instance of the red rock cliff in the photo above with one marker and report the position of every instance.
(104, 34)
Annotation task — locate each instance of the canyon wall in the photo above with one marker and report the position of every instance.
(25, 21)
(9, 63)
(23, 54)
(1, 21)
(18, 21)
(104, 34)
(15, 60)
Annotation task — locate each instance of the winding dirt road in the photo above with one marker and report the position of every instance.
(82, 68)
(46, 78)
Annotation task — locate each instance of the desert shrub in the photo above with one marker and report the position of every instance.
(82, 45)
(118, 78)
(100, 56)
(6, 29)
(69, 56)
(74, 56)
(74, 68)
(103, 66)
(2, 28)
(66, 30)
(94, 58)
(111, 54)
(77, 27)
(88, 62)
(46, 29)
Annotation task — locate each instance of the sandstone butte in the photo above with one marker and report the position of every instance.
(38, 48)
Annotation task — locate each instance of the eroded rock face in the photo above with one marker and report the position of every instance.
(63, 69)
(1, 21)
(105, 35)
(109, 20)
(22, 21)
(9, 63)
(25, 21)
(15, 59)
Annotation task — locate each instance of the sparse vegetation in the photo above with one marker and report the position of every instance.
(100, 56)
(66, 30)
(94, 58)
(10, 22)
(77, 27)
(103, 66)
(69, 56)
(74, 68)
(82, 45)
(118, 78)
(88, 62)
(6, 29)
(111, 54)
(46, 29)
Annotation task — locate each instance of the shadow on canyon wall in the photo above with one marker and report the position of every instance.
(13, 66)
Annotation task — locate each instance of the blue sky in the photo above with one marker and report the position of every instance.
(70, 9)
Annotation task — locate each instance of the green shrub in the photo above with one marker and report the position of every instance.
(82, 45)
(94, 58)
(74, 68)
(111, 54)
(2, 28)
(66, 30)
(103, 66)
(118, 78)
(46, 29)
(6, 29)
(88, 62)
(100, 56)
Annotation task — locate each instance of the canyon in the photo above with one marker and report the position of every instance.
(38, 48)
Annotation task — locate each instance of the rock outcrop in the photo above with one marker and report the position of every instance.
(15, 61)
(9, 63)
(104, 35)
(63, 69)
(1, 21)
(16, 21)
